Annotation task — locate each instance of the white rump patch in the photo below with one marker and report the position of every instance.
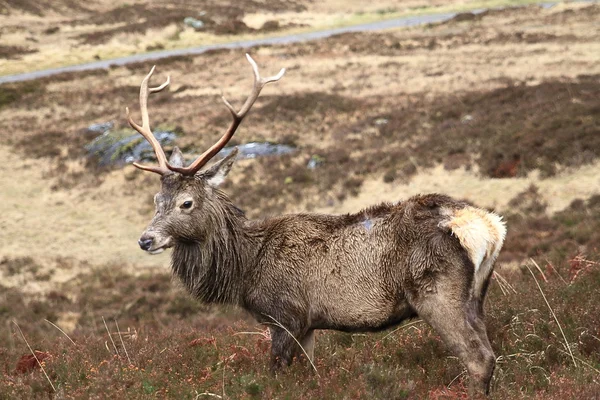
(480, 232)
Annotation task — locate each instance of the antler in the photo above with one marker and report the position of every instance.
(259, 83)
(163, 165)
(144, 130)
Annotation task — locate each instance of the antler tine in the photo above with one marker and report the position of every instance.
(259, 83)
(145, 130)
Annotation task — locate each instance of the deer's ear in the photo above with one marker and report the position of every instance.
(216, 174)
(176, 158)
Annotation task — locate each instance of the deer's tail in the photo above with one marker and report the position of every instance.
(481, 233)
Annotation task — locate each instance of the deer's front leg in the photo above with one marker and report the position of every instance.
(283, 346)
(308, 344)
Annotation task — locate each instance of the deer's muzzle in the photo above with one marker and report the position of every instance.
(145, 244)
(154, 243)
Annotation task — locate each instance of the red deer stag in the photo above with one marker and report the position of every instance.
(429, 256)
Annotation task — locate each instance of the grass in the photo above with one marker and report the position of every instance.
(527, 120)
(107, 334)
(500, 139)
(384, 137)
(35, 356)
(181, 362)
(101, 43)
(546, 337)
(15, 92)
(554, 239)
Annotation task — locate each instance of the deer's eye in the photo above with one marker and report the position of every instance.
(187, 204)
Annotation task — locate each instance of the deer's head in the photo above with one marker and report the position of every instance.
(188, 200)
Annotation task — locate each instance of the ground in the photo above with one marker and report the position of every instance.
(499, 108)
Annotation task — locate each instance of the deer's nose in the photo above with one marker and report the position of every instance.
(145, 244)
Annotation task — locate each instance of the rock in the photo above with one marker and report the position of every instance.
(270, 26)
(315, 161)
(100, 127)
(119, 147)
(466, 119)
(258, 149)
(193, 23)
(92, 131)
(28, 362)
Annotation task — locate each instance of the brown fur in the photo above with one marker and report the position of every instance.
(358, 272)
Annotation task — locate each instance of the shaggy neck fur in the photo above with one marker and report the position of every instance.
(212, 266)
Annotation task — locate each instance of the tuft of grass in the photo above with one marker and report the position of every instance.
(552, 311)
(35, 356)
(558, 238)
(16, 92)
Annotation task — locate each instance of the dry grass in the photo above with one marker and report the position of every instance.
(48, 34)
(204, 352)
(376, 122)
(387, 115)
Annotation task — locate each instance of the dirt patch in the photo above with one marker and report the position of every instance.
(466, 29)
(529, 202)
(46, 144)
(213, 17)
(14, 52)
(19, 266)
(301, 105)
(388, 45)
(40, 8)
(146, 301)
(136, 18)
(555, 15)
(491, 13)
(502, 133)
(570, 15)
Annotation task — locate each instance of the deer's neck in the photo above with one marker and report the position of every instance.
(214, 267)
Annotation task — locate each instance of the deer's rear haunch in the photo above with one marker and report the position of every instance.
(429, 256)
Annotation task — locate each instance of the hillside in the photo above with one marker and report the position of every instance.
(499, 108)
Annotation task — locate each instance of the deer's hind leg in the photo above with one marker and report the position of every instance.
(448, 314)
(477, 321)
